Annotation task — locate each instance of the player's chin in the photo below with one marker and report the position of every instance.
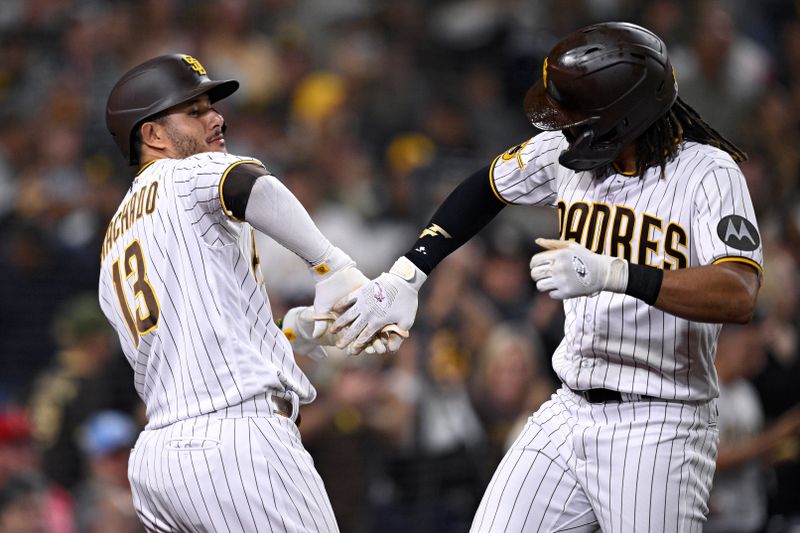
(217, 145)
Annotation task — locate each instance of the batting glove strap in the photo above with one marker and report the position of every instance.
(617, 274)
(409, 272)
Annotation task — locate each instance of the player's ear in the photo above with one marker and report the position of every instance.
(153, 135)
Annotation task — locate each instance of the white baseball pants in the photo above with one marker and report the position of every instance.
(639, 466)
(214, 474)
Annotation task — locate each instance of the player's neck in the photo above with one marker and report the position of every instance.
(146, 162)
(625, 163)
(148, 155)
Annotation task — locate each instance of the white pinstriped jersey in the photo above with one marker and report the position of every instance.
(181, 284)
(698, 214)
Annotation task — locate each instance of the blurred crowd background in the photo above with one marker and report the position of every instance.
(370, 111)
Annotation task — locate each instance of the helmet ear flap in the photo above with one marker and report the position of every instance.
(586, 153)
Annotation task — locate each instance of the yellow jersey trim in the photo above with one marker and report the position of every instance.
(145, 166)
(491, 181)
(744, 260)
(618, 170)
(222, 182)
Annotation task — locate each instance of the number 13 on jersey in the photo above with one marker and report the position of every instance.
(139, 320)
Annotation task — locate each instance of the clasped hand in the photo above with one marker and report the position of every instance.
(384, 307)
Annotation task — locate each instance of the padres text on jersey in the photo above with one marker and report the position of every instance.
(613, 340)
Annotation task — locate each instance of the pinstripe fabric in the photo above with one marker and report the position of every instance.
(624, 467)
(216, 343)
(181, 284)
(234, 474)
(612, 340)
(634, 465)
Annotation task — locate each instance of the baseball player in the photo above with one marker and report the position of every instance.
(181, 284)
(658, 246)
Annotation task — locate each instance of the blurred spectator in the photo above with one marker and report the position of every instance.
(452, 300)
(36, 278)
(721, 69)
(363, 414)
(371, 111)
(22, 508)
(77, 384)
(405, 153)
(28, 504)
(505, 278)
(777, 381)
(103, 501)
(774, 136)
(17, 455)
(232, 49)
(664, 17)
(738, 501)
(510, 384)
(437, 481)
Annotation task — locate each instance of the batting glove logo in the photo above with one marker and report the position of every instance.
(378, 293)
(580, 269)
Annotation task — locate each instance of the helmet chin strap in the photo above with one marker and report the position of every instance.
(582, 155)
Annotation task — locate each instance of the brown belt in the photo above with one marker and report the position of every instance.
(283, 407)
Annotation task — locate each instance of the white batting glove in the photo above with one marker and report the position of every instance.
(385, 306)
(298, 326)
(335, 276)
(567, 270)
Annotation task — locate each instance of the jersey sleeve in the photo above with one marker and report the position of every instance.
(200, 189)
(527, 173)
(725, 226)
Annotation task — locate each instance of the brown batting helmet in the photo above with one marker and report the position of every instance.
(608, 82)
(154, 86)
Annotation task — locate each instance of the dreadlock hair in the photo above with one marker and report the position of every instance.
(660, 142)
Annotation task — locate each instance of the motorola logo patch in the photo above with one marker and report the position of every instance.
(738, 232)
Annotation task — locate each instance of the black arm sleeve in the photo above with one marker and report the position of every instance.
(471, 206)
(236, 187)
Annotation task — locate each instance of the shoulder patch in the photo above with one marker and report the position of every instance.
(739, 233)
(511, 153)
(515, 153)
